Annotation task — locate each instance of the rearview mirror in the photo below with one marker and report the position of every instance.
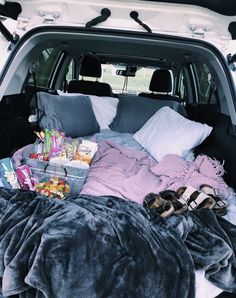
(130, 71)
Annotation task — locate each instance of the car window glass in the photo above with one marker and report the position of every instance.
(69, 75)
(206, 84)
(44, 67)
(181, 86)
(139, 83)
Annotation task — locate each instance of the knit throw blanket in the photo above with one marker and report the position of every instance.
(176, 172)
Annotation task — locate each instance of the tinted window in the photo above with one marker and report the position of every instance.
(206, 84)
(44, 67)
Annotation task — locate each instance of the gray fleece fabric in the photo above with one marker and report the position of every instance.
(107, 247)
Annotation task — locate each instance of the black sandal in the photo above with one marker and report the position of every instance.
(154, 202)
(171, 196)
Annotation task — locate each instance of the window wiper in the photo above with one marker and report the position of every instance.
(134, 16)
(105, 13)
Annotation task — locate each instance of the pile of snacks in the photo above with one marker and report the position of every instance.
(69, 158)
(55, 148)
(54, 187)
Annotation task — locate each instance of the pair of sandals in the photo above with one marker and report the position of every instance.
(165, 203)
(205, 197)
(185, 198)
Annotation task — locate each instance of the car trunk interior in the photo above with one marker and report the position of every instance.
(128, 48)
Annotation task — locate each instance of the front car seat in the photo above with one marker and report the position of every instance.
(160, 86)
(90, 67)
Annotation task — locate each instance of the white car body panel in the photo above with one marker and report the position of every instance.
(165, 18)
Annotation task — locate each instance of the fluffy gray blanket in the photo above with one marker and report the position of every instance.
(107, 247)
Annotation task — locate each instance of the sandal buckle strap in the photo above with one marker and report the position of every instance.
(199, 199)
(184, 198)
(210, 190)
(193, 201)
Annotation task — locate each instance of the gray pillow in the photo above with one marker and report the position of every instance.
(72, 115)
(134, 111)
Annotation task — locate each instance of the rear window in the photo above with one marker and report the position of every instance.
(139, 83)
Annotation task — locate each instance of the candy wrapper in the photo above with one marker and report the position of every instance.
(25, 178)
(69, 148)
(57, 139)
(53, 140)
(7, 174)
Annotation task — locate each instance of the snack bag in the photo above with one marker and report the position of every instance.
(57, 139)
(7, 174)
(47, 141)
(25, 178)
(86, 151)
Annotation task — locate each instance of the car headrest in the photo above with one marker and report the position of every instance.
(161, 81)
(91, 66)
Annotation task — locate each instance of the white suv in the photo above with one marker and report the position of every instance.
(195, 43)
(43, 42)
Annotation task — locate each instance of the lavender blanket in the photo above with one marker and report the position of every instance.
(121, 172)
(131, 174)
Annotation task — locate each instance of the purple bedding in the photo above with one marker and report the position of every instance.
(131, 174)
(116, 170)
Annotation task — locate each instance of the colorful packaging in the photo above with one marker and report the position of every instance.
(57, 139)
(47, 141)
(25, 178)
(7, 174)
(53, 187)
(60, 164)
(86, 151)
(39, 156)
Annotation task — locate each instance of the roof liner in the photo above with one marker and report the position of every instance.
(220, 6)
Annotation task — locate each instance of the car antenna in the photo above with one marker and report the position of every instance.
(105, 13)
(134, 15)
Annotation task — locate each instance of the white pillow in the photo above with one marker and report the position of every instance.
(104, 107)
(167, 132)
